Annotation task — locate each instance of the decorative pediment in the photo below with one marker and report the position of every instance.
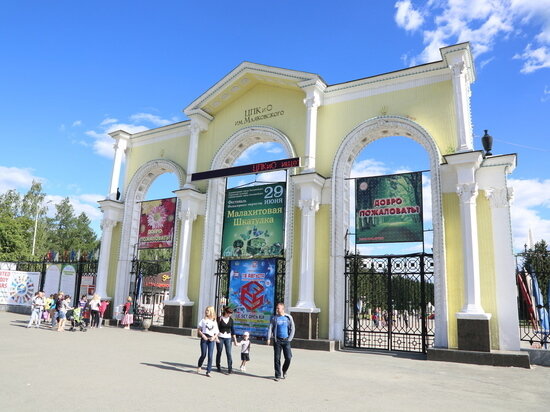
(243, 78)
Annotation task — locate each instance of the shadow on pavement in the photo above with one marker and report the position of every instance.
(187, 368)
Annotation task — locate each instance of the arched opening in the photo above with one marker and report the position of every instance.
(357, 140)
(247, 146)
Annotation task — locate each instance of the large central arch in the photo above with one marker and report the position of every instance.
(362, 135)
(233, 147)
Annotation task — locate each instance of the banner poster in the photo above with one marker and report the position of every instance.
(156, 224)
(18, 288)
(53, 277)
(68, 280)
(252, 295)
(87, 285)
(389, 208)
(254, 221)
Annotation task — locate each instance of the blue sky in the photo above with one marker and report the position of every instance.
(73, 71)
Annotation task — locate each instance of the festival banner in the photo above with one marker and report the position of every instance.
(389, 208)
(252, 295)
(18, 288)
(68, 280)
(156, 228)
(254, 220)
(52, 280)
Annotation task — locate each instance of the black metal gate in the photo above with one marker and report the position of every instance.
(222, 283)
(389, 302)
(150, 285)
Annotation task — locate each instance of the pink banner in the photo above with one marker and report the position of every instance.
(156, 224)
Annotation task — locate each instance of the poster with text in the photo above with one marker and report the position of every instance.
(156, 224)
(252, 295)
(18, 288)
(254, 220)
(68, 280)
(52, 280)
(389, 208)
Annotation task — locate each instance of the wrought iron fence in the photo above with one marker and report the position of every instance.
(389, 302)
(534, 308)
(150, 283)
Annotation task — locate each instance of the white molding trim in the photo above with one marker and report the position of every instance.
(362, 135)
(135, 193)
(233, 147)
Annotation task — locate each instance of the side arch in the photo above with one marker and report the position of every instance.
(232, 148)
(362, 135)
(134, 194)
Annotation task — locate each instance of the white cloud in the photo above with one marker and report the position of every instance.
(150, 118)
(407, 17)
(369, 167)
(108, 120)
(77, 123)
(534, 59)
(482, 23)
(530, 210)
(16, 178)
(79, 205)
(545, 94)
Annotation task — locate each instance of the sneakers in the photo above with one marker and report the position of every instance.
(199, 369)
(284, 375)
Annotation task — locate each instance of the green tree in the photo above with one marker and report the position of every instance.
(537, 259)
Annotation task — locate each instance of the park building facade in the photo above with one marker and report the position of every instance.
(324, 127)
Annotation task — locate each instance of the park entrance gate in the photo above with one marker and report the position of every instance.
(389, 302)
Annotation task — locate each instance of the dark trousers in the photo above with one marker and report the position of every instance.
(224, 342)
(95, 318)
(284, 346)
(207, 346)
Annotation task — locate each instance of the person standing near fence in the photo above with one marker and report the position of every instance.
(281, 327)
(208, 333)
(102, 308)
(94, 310)
(37, 307)
(127, 314)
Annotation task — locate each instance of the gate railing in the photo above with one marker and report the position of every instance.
(389, 302)
(534, 308)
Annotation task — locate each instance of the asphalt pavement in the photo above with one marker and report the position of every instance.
(112, 369)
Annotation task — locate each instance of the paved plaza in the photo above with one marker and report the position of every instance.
(112, 369)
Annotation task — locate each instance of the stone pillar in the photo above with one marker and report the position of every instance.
(199, 123)
(462, 76)
(305, 312)
(473, 322)
(493, 179)
(178, 311)
(112, 214)
(314, 92)
(121, 143)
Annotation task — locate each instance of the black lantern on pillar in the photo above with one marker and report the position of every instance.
(487, 142)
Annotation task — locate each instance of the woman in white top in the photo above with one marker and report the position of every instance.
(94, 310)
(208, 332)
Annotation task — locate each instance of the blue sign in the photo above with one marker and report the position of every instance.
(252, 294)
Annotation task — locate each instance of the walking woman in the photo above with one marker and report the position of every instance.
(62, 313)
(94, 310)
(208, 333)
(127, 313)
(225, 338)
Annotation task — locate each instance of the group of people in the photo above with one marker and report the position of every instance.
(57, 308)
(220, 332)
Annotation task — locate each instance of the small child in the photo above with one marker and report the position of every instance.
(245, 351)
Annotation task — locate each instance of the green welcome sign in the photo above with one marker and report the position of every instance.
(254, 220)
(389, 208)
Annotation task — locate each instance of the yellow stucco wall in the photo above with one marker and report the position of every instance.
(322, 267)
(487, 265)
(454, 263)
(196, 260)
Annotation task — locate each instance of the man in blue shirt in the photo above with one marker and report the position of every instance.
(281, 328)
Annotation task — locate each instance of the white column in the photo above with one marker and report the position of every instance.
(191, 204)
(107, 226)
(112, 214)
(461, 88)
(506, 290)
(309, 186)
(314, 95)
(199, 123)
(121, 143)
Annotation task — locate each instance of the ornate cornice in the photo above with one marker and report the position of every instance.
(500, 197)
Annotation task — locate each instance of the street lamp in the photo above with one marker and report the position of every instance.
(36, 225)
